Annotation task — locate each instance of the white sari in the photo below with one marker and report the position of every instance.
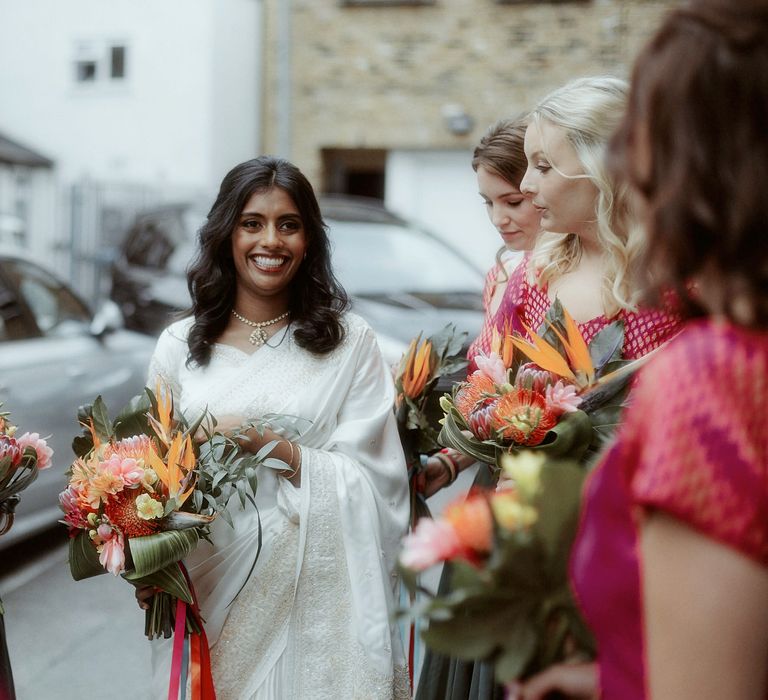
(314, 619)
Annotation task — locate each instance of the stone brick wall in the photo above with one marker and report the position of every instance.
(382, 77)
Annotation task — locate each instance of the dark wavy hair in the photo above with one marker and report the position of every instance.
(694, 146)
(317, 299)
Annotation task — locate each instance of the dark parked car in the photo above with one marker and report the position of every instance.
(402, 279)
(54, 356)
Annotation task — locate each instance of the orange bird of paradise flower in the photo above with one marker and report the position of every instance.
(177, 471)
(418, 368)
(578, 368)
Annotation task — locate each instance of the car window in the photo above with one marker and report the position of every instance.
(152, 239)
(14, 324)
(55, 309)
(376, 259)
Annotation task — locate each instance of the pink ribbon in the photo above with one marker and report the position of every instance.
(178, 649)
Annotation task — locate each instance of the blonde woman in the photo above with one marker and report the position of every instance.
(589, 243)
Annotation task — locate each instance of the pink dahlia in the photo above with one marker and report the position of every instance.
(431, 542)
(44, 453)
(562, 398)
(492, 366)
(126, 469)
(112, 552)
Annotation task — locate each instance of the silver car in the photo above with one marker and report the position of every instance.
(55, 355)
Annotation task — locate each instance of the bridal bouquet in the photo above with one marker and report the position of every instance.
(507, 555)
(416, 407)
(20, 460)
(142, 492)
(557, 394)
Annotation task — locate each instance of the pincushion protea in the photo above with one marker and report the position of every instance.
(522, 417)
(122, 511)
(475, 393)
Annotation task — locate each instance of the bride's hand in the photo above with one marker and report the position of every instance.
(144, 595)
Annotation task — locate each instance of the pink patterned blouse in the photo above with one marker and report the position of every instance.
(644, 330)
(694, 445)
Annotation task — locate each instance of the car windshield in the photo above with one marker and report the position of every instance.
(373, 259)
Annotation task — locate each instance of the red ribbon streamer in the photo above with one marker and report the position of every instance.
(201, 677)
(178, 649)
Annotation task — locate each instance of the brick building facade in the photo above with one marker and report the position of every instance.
(373, 78)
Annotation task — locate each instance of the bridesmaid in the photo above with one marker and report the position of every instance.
(499, 162)
(583, 256)
(685, 485)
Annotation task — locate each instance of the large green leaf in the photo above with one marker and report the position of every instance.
(607, 345)
(558, 503)
(518, 653)
(480, 625)
(451, 435)
(132, 420)
(83, 558)
(101, 423)
(154, 552)
(169, 579)
(570, 436)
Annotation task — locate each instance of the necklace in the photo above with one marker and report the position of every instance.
(258, 336)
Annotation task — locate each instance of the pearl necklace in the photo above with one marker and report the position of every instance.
(259, 336)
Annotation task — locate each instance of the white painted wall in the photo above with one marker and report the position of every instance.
(188, 102)
(438, 190)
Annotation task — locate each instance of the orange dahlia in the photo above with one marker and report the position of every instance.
(472, 522)
(478, 390)
(522, 417)
(122, 512)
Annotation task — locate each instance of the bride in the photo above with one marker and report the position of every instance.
(268, 333)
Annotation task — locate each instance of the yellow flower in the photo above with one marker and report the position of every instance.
(148, 508)
(510, 513)
(524, 469)
(150, 477)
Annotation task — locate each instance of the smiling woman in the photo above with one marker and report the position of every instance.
(269, 333)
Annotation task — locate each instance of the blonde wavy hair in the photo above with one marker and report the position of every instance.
(589, 110)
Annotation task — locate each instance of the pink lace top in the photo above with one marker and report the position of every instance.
(644, 330)
(694, 445)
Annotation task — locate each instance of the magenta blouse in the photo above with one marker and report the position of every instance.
(695, 445)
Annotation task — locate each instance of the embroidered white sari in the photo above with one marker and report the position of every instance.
(314, 619)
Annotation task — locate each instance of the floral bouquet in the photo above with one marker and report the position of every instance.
(141, 494)
(557, 394)
(20, 460)
(507, 555)
(416, 408)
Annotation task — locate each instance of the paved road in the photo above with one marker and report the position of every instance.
(73, 641)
